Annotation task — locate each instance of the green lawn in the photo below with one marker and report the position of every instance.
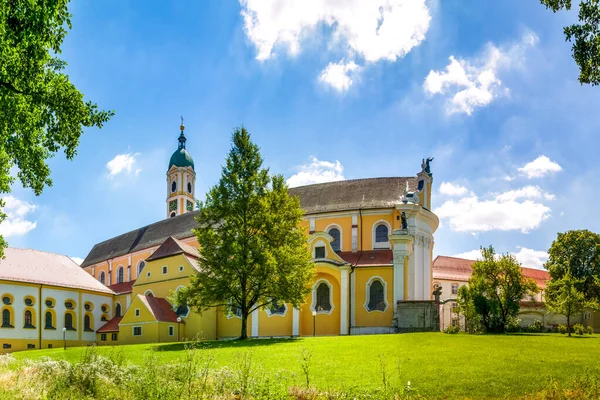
(437, 365)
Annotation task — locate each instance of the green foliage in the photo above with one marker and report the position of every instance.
(585, 37)
(452, 329)
(494, 291)
(563, 297)
(41, 110)
(577, 253)
(562, 328)
(590, 330)
(579, 329)
(535, 327)
(254, 250)
(513, 325)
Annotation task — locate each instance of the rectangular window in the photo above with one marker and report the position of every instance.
(31, 346)
(49, 346)
(320, 252)
(164, 270)
(137, 312)
(103, 337)
(455, 288)
(171, 331)
(137, 331)
(6, 346)
(114, 336)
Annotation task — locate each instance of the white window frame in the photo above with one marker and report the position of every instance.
(102, 275)
(149, 292)
(181, 268)
(319, 243)
(133, 331)
(368, 293)
(381, 245)
(175, 306)
(120, 269)
(230, 314)
(314, 297)
(270, 314)
(137, 268)
(339, 228)
(452, 286)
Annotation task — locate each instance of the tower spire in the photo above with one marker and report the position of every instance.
(182, 138)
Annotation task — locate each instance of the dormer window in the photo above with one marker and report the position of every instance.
(320, 252)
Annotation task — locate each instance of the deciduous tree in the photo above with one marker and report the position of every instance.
(577, 253)
(585, 37)
(254, 250)
(41, 110)
(563, 297)
(495, 290)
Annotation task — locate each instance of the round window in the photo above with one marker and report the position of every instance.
(6, 300)
(28, 301)
(104, 309)
(68, 305)
(87, 307)
(173, 186)
(49, 303)
(189, 187)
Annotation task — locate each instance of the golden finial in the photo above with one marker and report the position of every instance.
(182, 127)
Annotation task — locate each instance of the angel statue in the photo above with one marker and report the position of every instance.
(425, 165)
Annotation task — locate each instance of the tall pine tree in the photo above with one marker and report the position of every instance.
(254, 250)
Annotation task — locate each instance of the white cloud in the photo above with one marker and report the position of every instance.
(77, 260)
(528, 258)
(469, 255)
(540, 167)
(373, 29)
(451, 189)
(337, 75)
(502, 212)
(16, 212)
(317, 172)
(470, 84)
(527, 192)
(125, 163)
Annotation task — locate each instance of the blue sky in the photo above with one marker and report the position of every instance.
(342, 90)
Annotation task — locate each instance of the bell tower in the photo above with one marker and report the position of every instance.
(181, 180)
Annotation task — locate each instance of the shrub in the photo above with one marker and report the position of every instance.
(536, 326)
(562, 328)
(590, 330)
(513, 324)
(452, 329)
(578, 329)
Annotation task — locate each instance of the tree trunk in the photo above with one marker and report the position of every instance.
(244, 334)
(569, 324)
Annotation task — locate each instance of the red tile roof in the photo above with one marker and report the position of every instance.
(160, 308)
(110, 326)
(368, 257)
(122, 288)
(459, 269)
(171, 247)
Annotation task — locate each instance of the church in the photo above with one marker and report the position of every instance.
(372, 246)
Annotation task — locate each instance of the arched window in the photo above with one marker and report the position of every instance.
(336, 244)
(173, 214)
(140, 267)
(118, 310)
(381, 234)
(173, 186)
(48, 319)
(6, 319)
(28, 320)
(277, 308)
(120, 277)
(87, 323)
(103, 278)
(376, 296)
(69, 322)
(189, 187)
(323, 297)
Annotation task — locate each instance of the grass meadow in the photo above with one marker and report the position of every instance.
(437, 365)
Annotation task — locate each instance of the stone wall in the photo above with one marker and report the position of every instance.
(417, 316)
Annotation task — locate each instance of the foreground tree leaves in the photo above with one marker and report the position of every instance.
(41, 111)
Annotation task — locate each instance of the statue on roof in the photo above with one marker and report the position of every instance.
(425, 165)
(403, 218)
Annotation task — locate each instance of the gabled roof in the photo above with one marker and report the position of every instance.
(40, 267)
(353, 194)
(122, 288)
(368, 257)
(171, 247)
(459, 269)
(160, 308)
(147, 236)
(110, 326)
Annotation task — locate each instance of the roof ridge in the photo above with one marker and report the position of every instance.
(355, 180)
